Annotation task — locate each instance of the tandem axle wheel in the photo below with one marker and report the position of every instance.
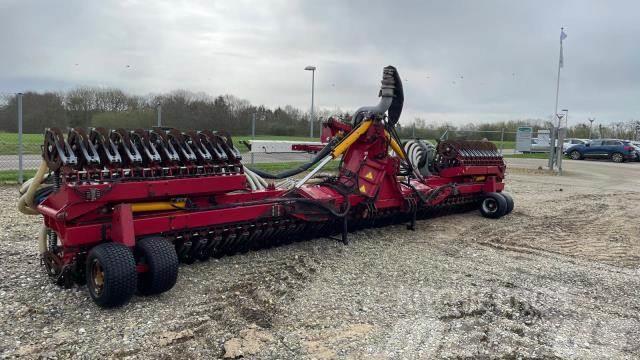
(114, 272)
(495, 205)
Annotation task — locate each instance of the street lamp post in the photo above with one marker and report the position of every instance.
(313, 77)
(591, 120)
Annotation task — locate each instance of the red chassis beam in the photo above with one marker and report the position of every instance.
(83, 235)
(124, 227)
(75, 201)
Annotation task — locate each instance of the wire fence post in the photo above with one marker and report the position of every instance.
(159, 115)
(253, 134)
(20, 147)
(502, 141)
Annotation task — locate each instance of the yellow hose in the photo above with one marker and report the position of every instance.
(25, 203)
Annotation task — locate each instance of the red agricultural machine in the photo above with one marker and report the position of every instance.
(122, 208)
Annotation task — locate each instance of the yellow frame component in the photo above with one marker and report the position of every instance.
(158, 206)
(349, 140)
(395, 146)
(364, 126)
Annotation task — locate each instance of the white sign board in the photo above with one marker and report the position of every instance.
(544, 137)
(523, 138)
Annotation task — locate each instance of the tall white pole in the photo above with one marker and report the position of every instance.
(555, 111)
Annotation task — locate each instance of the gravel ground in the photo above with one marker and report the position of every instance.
(557, 278)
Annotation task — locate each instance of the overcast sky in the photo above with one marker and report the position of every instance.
(461, 60)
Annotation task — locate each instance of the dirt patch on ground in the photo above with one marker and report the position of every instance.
(557, 278)
(526, 171)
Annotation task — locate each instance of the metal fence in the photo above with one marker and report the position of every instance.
(499, 137)
(20, 153)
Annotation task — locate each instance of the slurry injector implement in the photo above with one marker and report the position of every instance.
(121, 208)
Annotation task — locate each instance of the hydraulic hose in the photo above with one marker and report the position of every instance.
(391, 94)
(42, 239)
(261, 184)
(25, 203)
(304, 167)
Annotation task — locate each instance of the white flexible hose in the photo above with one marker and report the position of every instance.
(261, 183)
(286, 184)
(42, 239)
(256, 182)
(261, 180)
(412, 148)
(411, 153)
(25, 203)
(416, 152)
(407, 144)
(250, 182)
(25, 186)
(416, 155)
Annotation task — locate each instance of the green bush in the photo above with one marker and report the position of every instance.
(125, 119)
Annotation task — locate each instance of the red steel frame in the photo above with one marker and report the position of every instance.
(83, 219)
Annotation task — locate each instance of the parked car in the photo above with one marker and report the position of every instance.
(636, 144)
(616, 150)
(542, 145)
(539, 145)
(572, 141)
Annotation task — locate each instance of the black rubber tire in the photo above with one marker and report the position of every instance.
(493, 205)
(575, 155)
(118, 268)
(159, 255)
(617, 157)
(510, 203)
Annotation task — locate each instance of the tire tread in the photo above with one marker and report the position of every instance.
(162, 261)
(120, 276)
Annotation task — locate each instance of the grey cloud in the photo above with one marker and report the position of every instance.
(502, 55)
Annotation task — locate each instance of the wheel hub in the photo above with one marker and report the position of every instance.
(97, 277)
(490, 205)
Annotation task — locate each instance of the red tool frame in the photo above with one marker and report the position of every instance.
(205, 207)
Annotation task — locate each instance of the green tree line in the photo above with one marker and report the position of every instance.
(113, 108)
(506, 130)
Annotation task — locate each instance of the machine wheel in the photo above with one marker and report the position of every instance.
(159, 255)
(510, 203)
(493, 206)
(111, 274)
(617, 157)
(575, 155)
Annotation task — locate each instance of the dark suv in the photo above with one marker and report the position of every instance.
(616, 150)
